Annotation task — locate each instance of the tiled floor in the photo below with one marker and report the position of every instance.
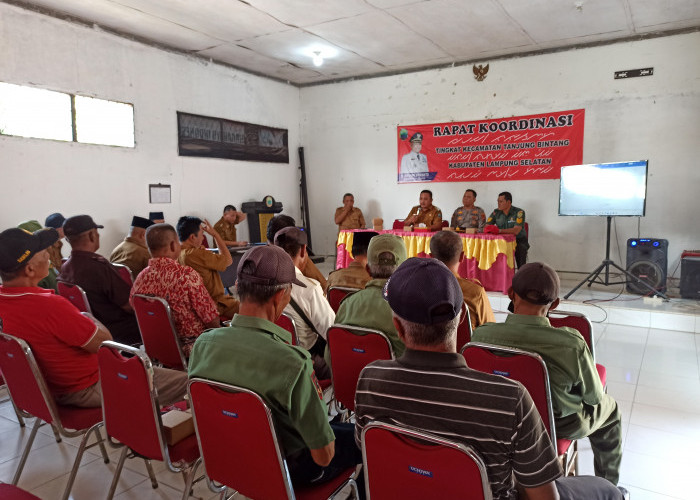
(652, 373)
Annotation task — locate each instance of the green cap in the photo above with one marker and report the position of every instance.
(386, 243)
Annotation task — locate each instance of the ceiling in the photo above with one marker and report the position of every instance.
(276, 38)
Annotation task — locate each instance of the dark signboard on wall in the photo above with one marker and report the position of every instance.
(219, 138)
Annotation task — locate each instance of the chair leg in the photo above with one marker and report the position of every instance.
(23, 459)
(117, 473)
(188, 476)
(56, 434)
(149, 468)
(19, 415)
(78, 459)
(101, 444)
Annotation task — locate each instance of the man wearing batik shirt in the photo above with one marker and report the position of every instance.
(469, 216)
(181, 286)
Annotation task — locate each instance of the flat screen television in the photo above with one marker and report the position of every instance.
(615, 189)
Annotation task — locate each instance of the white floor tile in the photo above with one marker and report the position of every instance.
(671, 399)
(657, 417)
(621, 391)
(658, 443)
(632, 317)
(660, 475)
(670, 321)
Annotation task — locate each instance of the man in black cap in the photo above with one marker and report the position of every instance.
(355, 275)
(55, 221)
(64, 341)
(255, 353)
(107, 292)
(133, 252)
(156, 217)
(431, 388)
(581, 406)
(415, 162)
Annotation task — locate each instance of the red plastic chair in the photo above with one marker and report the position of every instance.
(124, 273)
(464, 329)
(158, 332)
(581, 323)
(530, 370)
(351, 349)
(403, 463)
(229, 420)
(75, 295)
(398, 224)
(445, 223)
(30, 394)
(336, 294)
(287, 322)
(10, 492)
(20, 418)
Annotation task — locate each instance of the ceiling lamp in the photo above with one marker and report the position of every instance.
(317, 58)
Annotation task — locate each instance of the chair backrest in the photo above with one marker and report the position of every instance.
(398, 224)
(158, 331)
(351, 349)
(75, 295)
(287, 322)
(576, 321)
(464, 329)
(24, 380)
(337, 293)
(445, 223)
(129, 401)
(124, 273)
(526, 367)
(404, 463)
(228, 420)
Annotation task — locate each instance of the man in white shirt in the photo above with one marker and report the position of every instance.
(311, 311)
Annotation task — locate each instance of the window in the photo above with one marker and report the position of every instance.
(45, 114)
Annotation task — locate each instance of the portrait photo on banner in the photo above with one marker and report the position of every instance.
(515, 148)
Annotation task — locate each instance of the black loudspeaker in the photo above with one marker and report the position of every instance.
(647, 259)
(690, 276)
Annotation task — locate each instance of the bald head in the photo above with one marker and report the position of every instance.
(162, 241)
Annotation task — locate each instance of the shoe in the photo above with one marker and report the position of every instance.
(625, 493)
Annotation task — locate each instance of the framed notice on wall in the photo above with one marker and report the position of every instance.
(514, 148)
(159, 193)
(220, 138)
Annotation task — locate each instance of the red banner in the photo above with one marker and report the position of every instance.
(516, 148)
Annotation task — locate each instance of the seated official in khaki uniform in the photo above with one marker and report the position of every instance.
(355, 275)
(133, 252)
(348, 216)
(425, 213)
(226, 226)
(446, 246)
(206, 263)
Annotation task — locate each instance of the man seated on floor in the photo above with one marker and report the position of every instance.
(255, 353)
(581, 407)
(226, 226)
(207, 264)
(64, 341)
(310, 270)
(193, 310)
(355, 275)
(132, 252)
(431, 388)
(446, 246)
(367, 308)
(107, 292)
(308, 307)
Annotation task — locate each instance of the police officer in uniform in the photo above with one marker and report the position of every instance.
(415, 162)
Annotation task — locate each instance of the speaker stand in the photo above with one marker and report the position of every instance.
(594, 277)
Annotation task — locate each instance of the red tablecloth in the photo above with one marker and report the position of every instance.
(487, 257)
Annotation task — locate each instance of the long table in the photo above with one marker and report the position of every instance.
(487, 257)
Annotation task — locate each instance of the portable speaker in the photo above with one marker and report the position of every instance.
(647, 259)
(690, 275)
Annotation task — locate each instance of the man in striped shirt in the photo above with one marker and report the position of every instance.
(431, 388)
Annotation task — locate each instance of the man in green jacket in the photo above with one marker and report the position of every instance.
(581, 407)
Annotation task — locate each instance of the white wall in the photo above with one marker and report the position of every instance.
(349, 133)
(40, 177)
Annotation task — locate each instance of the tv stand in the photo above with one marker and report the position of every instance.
(594, 277)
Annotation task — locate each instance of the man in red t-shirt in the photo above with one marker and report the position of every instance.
(64, 341)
